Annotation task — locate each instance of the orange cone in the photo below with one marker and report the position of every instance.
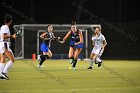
(33, 56)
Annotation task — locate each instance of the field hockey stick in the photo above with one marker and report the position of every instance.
(64, 43)
(61, 41)
(18, 32)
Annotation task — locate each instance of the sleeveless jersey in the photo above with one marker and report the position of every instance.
(75, 37)
(49, 35)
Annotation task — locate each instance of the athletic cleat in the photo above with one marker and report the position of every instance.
(39, 66)
(3, 75)
(2, 78)
(99, 64)
(89, 67)
(74, 68)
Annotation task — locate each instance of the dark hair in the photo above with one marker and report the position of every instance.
(7, 18)
(73, 23)
(49, 25)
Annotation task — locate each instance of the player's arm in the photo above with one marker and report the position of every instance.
(5, 36)
(66, 36)
(54, 37)
(81, 38)
(104, 43)
(103, 47)
(93, 43)
(43, 36)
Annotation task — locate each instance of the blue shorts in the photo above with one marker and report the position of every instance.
(81, 45)
(44, 47)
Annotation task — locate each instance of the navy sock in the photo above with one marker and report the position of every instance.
(74, 63)
(42, 59)
(46, 56)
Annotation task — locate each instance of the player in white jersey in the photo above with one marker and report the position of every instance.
(5, 50)
(99, 43)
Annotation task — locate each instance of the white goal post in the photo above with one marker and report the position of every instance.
(28, 42)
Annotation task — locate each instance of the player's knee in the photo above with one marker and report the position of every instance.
(75, 57)
(70, 57)
(12, 60)
(49, 56)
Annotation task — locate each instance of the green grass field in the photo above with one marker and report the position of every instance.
(55, 77)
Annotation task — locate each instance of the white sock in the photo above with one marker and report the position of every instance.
(2, 65)
(91, 62)
(8, 66)
(98, 59)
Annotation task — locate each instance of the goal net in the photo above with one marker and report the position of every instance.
(28, 42)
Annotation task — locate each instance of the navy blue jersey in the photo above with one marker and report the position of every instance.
(49, 35)
(75, 36)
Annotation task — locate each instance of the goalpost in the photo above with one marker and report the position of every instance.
(28, 41)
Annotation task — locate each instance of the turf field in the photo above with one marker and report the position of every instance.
(55, 77)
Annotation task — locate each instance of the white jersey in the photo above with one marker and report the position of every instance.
(4, 30)
(4, 43)
(98, 41)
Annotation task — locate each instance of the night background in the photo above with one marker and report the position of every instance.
(120, 19)
(119, 68)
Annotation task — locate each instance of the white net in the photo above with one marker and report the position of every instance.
(28, 42)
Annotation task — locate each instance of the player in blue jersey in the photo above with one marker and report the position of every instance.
(76, 44)
(45, 46)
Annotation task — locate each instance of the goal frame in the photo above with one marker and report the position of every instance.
(23, 26)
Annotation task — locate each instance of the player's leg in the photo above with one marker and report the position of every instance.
(2, 65)
(76, 54)
(2, 59)
(98, 59)
(44, 48)
(70, 55)
(91, 60)
(46, 55)
(9, 64)
(2, 62)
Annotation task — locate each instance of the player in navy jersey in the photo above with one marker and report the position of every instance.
(45, 46)
(76, 44)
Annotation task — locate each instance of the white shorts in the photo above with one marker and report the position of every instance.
(96, 50)
(4, 46)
